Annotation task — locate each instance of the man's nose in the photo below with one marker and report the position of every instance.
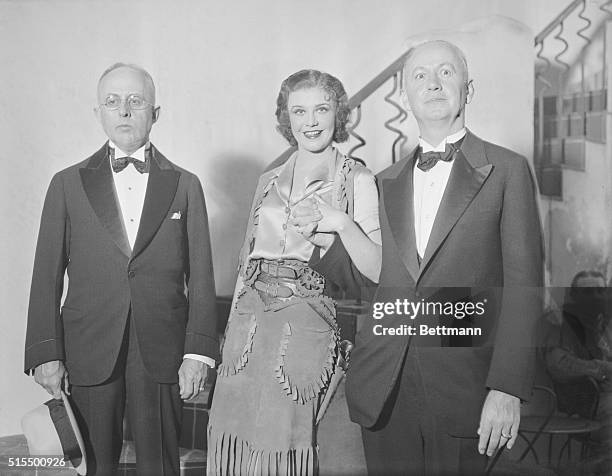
(124, 110)
(434, 84)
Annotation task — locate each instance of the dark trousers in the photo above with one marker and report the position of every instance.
(409, 439)
(153, 411)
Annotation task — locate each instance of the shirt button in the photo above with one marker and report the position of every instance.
(131, 274)
(281, 242)
(129, 188)
(287, 210)
(132, 220)
(284, 226)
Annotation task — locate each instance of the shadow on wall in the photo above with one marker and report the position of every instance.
(229, 193)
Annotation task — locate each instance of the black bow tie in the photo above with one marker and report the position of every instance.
(118, 164)
(426, 160)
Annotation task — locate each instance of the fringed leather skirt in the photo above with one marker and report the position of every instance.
(278, 356)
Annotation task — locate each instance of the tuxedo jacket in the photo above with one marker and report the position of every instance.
(165, 284)
(485, 246)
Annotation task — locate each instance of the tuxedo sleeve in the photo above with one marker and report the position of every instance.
(44, 335)
(201, 335)
(513, 362)
(336, 265)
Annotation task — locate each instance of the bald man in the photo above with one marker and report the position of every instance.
(460, 227)
(130, 229)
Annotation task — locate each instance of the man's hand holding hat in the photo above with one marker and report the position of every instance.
(51, 429)
(50, 376)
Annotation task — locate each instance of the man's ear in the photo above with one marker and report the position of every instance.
(469, 91)
(96, 111)
(155, 114)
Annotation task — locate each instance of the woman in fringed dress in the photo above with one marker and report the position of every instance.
(281, 340)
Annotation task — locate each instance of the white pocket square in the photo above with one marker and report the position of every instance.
(176, 216)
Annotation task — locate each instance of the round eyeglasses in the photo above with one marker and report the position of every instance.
(133, 102)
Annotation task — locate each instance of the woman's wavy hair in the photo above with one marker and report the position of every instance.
(311, 78)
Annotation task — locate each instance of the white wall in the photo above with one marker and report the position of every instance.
(217, 66)
(578, 227)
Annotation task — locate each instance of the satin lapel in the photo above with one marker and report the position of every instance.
(97, 179)
(161, 189)
(399, 197)
(468, 174)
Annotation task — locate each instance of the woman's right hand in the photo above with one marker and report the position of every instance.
(306, 218)
(320, 223)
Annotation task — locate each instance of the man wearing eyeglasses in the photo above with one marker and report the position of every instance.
(130, 228)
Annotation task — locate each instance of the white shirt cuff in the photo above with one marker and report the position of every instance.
(201, 358)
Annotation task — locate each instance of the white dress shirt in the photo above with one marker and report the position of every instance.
(428, 189)
(131, 187)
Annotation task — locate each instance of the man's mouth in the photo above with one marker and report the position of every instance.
(312, 134)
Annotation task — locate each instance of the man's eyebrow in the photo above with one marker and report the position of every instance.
(417, 68)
